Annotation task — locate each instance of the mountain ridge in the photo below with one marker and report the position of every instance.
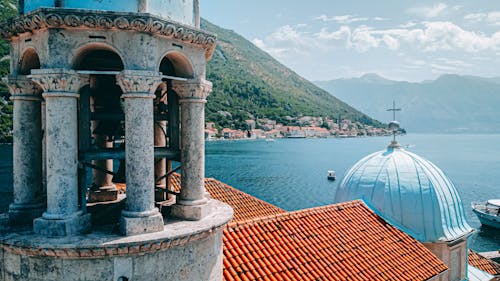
(451, 103)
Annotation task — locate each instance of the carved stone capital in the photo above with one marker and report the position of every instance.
(192, 89)
(58, 80)
(138, 83)
(22, 86)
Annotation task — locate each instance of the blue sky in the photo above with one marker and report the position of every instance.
(400, 40)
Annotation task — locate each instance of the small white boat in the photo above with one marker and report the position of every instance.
(331, 175)
(488, 212)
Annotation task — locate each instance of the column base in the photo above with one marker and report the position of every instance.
(140, 225)
(75, 224)
(191, 212)
(25, 214)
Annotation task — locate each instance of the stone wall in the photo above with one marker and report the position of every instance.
(454, 255)
(200, 260)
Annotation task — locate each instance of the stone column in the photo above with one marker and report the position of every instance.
(27, 148)
(62, 217)
(140, 214)
(192, 204)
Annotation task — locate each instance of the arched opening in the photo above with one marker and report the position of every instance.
(167, 129)
(100, 59)
(176, 64)
(29, 60)
(101, 127)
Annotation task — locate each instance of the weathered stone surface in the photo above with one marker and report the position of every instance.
(47, 18)
(134, 226)
(140, 214)
(12, 263)
(123, 267)
(72, 225)
(184, 250)
(191, 204)
(49, 269)
(87, 269)
(196, 212)
(60, 91)
(27, 149)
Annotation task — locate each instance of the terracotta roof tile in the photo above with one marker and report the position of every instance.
(345, 241)
(483, 263)
(244, 205)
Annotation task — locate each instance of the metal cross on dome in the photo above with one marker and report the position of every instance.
(394, 125)
(394, 109)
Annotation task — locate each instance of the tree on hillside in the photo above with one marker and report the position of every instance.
(8, 10)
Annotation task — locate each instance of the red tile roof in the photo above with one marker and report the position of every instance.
(346, 241)
(483, 263)
(245, 206)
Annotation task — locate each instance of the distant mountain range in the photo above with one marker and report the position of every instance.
(249, 83)
(449, 104)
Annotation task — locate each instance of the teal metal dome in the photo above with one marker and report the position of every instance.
(409, 192)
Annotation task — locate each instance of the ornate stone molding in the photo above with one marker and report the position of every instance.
(81, 19)
(192, 89)
(138, 83)
(58, 80)
(22, 86)
(125, 249)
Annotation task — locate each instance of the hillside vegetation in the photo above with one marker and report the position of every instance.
(8, 9)
(248, 83)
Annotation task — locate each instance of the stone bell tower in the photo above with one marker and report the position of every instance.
(110, 96)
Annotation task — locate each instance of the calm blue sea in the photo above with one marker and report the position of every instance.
(291, 173)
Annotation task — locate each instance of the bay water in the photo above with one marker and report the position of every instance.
(291, 173)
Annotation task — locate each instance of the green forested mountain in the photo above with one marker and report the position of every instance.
(249, 82)
(7, 10)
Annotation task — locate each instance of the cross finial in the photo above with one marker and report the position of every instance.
(394, 125)
(394, 109)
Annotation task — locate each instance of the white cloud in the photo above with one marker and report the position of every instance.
(408, 24)
(391, 42)
(344, 19)
(428, 37)
(492, 18)
(428, 11)
(286, 40)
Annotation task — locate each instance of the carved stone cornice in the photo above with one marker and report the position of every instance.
(82, 19)
(138, 83)
(192, 89)
(21, 85)
(58, 80)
